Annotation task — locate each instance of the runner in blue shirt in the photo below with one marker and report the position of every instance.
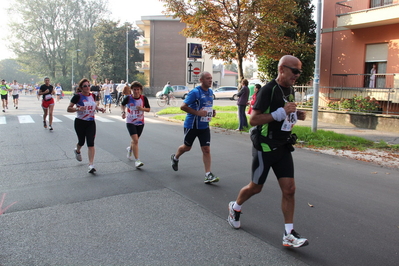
(198, 105)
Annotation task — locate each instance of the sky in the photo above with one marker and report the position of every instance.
(122, 10)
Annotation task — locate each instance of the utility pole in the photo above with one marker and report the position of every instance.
(127, 52)
(316, 79)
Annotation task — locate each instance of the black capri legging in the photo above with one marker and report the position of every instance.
(86, 131)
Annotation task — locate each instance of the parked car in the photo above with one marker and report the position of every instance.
(179, 91)
(226, 92)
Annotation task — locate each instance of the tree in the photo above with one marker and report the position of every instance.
(303, 36)
(10, 69)
(46, 29)
(231, 67)
(249, 71)
(236, 29)
(109, 61)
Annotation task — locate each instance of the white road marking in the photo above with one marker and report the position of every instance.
(24, 119)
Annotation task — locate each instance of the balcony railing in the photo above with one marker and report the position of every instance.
(350, 6)
(145, 65)
(142, 43)
(346, 86)
(362, 13)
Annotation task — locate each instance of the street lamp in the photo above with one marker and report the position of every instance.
(127, 52)
(72, 83)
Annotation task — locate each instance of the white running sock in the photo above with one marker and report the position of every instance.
(288, 228)
(236, 207)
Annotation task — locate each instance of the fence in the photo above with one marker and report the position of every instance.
(383, 92)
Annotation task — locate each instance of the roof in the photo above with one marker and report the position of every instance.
(228, 72)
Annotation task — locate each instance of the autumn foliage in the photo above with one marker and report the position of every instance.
(237, 29)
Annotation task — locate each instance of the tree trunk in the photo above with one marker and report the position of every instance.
(240, 68)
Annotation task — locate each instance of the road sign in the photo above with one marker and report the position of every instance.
(194, 68)
(194, 50)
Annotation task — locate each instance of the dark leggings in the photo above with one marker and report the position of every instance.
(86, 131)
(242, 117)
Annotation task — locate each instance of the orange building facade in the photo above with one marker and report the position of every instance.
(356, 36)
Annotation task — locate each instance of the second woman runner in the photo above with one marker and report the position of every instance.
(135, 104)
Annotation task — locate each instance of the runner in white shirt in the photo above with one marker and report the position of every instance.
(107, 88)
(58, 91)
(15, 93)
(119, 91)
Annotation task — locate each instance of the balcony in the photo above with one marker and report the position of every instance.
(143, 43)
(142, 66)
(357, 14)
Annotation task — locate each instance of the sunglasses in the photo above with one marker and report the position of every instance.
(85, 86)
(294, 70)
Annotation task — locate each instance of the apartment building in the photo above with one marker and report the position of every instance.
(357, 35)
(165, 51)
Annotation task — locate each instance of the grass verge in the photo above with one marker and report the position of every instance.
(321, 139)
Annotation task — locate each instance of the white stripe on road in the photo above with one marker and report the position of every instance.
(2, 120)
(99, 118)
(23, 119)
(72, 117)
(102, 119)
(117, 117)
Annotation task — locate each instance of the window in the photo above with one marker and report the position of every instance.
(379, 80)
(376, 54)
(376, 3)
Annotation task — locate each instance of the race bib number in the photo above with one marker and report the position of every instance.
(48, 97)
(208, 116)
(134, 113)
(89, 107)
(289, 122)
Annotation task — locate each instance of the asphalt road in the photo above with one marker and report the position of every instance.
(156, 216)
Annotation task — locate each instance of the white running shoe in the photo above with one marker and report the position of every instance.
(234, 216)
(293, 239)
(78, 156)
(138, 163)
(92, 170)
(129, 153)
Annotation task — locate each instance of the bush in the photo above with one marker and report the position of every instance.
(356, 104)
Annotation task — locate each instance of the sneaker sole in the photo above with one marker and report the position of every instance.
(92, 171)
(296, 246)
(228, 220)
(211, 181)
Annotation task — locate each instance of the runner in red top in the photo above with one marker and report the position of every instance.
(47, 91)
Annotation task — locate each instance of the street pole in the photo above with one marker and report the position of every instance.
(72, 75)
(127, 53)
(72, 82)
(316, 79)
